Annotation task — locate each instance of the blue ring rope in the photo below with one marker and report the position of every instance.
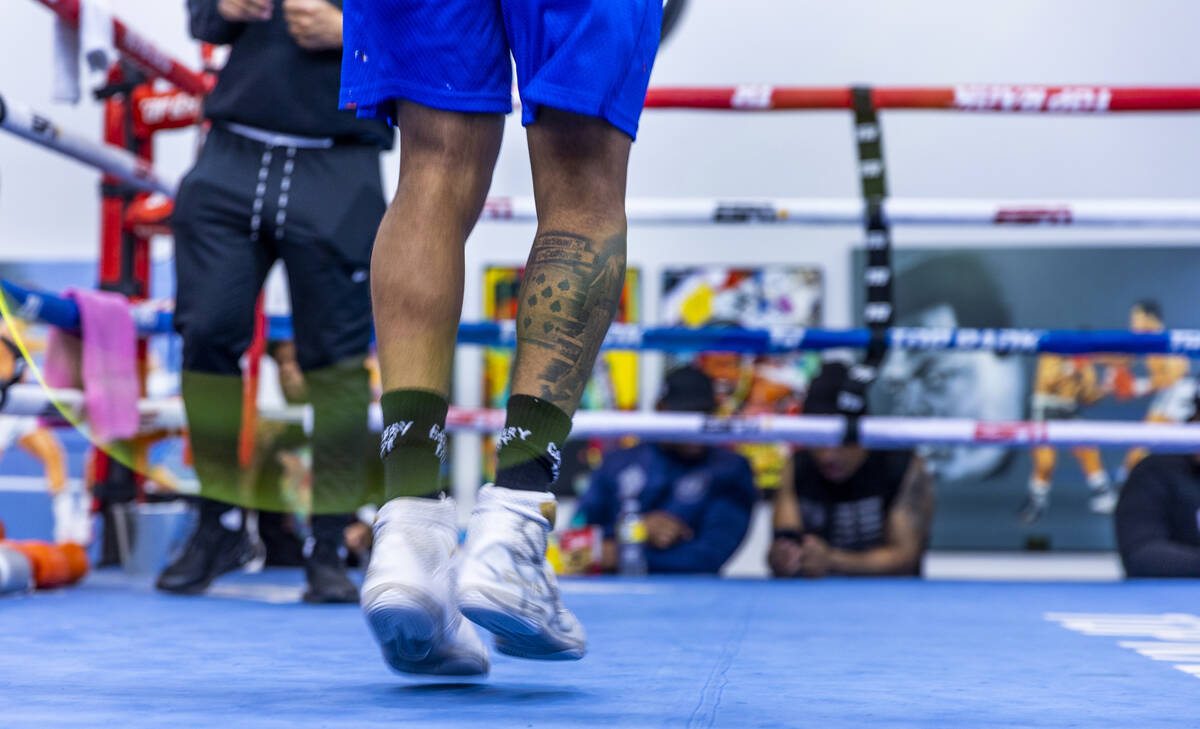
(61, 312)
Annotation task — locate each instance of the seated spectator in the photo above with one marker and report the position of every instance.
(695, 499)
(846, 510)
(1158, 516)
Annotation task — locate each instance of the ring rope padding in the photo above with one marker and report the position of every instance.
(1073, 99)
(878, 307)
(153, 319)
(872, 431)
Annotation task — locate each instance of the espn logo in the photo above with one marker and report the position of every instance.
(712, 425)
(497, 208)
(1014, 432)
(752, 96)
(1033, 216)
(745, 213)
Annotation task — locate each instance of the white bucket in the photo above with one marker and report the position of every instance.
(156, 532)
(16, 574)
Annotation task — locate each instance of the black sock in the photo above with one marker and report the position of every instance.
(413, 444)
(528, 457)
(212, 514)
(330, 528)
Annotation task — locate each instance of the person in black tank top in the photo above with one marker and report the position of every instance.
(847, 510)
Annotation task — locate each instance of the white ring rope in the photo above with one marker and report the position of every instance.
(812, 430)
(1175, 213)
(896, 211)
(129, 168)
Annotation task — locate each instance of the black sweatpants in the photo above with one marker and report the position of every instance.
(244, 205)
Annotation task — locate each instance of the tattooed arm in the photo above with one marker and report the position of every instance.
(569, 296)
(908, 525)
(783, 557)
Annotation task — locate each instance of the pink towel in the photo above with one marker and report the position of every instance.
(103, 362)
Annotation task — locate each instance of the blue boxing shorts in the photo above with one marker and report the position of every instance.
(590, 57)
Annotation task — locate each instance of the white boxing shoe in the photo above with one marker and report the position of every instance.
(505, 584)
(408, 592)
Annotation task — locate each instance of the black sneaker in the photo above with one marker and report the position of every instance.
(1033, 509)
(211, 551)
(326, 575)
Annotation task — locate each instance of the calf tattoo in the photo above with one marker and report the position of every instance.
(569, 297)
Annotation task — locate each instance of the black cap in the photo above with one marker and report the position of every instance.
(687, 389)
(835, 391)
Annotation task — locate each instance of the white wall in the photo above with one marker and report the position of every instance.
(48, 206)
(799, 154)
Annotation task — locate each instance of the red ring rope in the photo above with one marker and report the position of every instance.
(1086, 98)
(1019, 98)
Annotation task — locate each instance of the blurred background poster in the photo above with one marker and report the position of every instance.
(981, 490)
(751, 297)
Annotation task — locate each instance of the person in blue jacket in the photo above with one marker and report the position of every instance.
(696, 499)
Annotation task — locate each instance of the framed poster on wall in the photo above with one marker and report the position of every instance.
(751, 297)
(983, 491)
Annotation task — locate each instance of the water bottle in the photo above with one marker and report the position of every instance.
(631, 539)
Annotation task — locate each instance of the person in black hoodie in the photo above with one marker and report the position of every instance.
(1158, 515)
(283, 174)
(696, 500)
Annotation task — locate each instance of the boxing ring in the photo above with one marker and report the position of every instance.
(683, 652)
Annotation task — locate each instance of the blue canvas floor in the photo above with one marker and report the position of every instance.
(664, 653)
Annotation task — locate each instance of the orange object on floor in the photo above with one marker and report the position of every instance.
(51, 568)
(77, 560)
